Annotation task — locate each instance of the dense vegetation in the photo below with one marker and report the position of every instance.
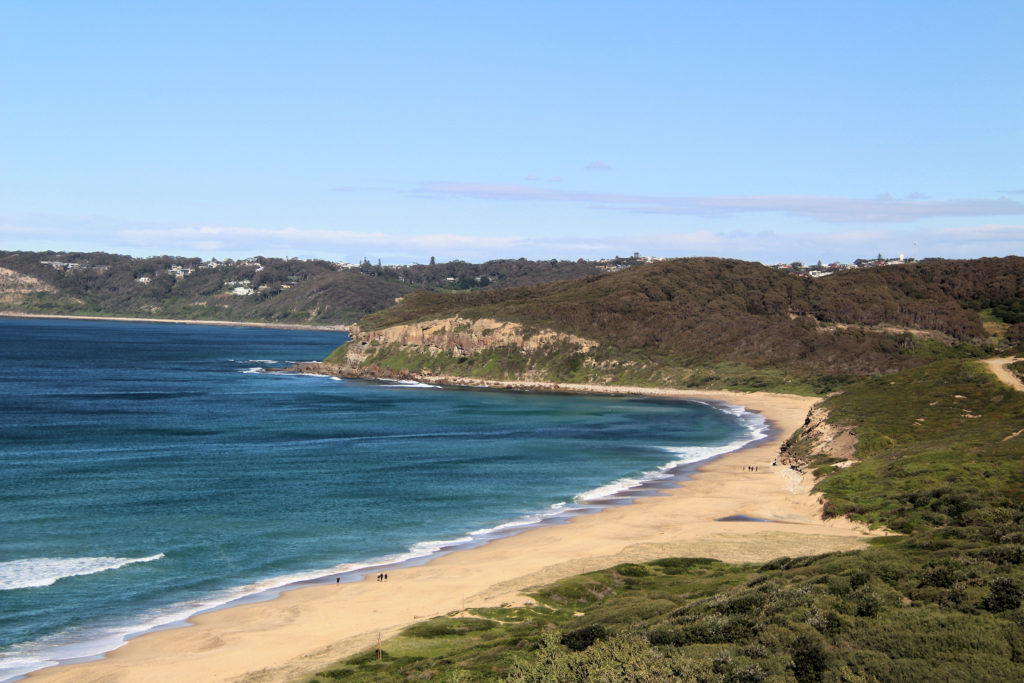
(938, 460)
(283, 290)
(730, 324)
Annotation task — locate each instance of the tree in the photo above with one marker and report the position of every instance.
(1005, 595)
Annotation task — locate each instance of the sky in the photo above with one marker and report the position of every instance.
(396, 131)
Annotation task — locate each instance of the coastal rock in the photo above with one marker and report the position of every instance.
(453, 338)
(463, 337)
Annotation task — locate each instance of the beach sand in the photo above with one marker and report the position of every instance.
(309, 628)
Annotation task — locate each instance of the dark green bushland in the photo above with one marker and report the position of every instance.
(730, 324)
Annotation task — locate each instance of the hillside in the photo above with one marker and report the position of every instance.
(934, 454)
(251, 290)
(700, 322)
(921, 438)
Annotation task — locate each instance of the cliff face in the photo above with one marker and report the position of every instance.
(829, 439)
(438, 345)
(463, 338)
(14, 286)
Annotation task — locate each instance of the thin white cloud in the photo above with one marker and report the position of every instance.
(12, 229)
(827, 209)
(983, 233)
(598, 166)
(294, 239)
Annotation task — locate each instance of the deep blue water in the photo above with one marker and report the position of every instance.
(151, 470)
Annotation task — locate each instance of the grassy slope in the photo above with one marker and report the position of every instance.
(941, 603)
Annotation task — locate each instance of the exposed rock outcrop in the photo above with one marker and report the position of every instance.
(819, 437)
(460, 337)
(14, 286)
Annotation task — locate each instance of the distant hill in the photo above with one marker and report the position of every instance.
(709, 322)
(256, 289)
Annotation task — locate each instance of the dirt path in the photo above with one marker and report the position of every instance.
(998, 366)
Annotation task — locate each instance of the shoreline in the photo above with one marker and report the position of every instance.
(224, 323)
(308, 627)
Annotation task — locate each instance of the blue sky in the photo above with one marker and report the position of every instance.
(769, 131)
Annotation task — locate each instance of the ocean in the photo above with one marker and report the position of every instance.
(150, 471)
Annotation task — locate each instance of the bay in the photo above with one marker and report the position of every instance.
(149, 471)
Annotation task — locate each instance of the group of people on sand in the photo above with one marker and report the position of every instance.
(751, 468)
(380, 577)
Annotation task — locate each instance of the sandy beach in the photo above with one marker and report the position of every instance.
(307, 629)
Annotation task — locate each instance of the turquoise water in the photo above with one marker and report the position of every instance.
(149, 471)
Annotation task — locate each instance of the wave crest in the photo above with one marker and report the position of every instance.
(39, 572)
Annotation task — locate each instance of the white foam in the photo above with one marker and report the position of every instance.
(621, 485)
(39, 572)
(757, 428)
(252, 371)
(409, 383)
(427, 548)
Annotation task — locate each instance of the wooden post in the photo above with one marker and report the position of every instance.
(378, 646)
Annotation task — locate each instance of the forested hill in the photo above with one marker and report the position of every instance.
(705, 321)
(255, 289)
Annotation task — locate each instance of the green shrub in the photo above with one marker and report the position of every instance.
(810, 657)
(445, 626)
(631, 570)
(1005, 594)
(582, 638)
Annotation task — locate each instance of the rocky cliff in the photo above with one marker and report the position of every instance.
(459, 346)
